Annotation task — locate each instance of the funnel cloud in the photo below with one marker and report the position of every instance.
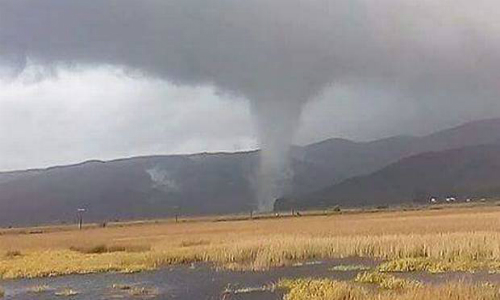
(441, 56)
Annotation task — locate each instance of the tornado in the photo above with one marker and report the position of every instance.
(276, 123)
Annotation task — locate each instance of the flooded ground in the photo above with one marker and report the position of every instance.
(198, 282)
(181, 282)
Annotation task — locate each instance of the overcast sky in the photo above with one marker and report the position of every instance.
(103, 79)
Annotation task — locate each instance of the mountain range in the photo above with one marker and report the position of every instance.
(466, 173)
(462, 161)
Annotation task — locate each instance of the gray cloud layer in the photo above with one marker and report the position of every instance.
(435, 56)
(275, 51)
(265, 48)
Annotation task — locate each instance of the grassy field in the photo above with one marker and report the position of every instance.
(441, 240)
(311, 289)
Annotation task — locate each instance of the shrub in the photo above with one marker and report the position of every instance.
(100, 249)
(13, 254)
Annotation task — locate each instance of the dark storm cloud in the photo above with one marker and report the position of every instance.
(279, 54)
(282, 51)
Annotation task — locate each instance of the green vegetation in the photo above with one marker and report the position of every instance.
(386, 281)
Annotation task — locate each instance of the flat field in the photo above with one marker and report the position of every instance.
(448, 239)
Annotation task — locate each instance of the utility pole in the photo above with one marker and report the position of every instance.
(80, 212)
(177, 210)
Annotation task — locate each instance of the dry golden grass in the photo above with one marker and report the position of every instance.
(347, 268)
(67, 292)
(448, 239)
(311, 289)
(143, 291)
(64, 262)
(436, 265)
(39, 289)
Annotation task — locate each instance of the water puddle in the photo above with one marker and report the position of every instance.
(179, 282)
(203, 282)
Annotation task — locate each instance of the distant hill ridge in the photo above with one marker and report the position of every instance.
(160, 186)
(471, 172)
